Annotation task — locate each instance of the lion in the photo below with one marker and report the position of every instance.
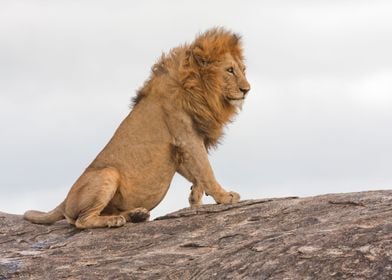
(176, 118)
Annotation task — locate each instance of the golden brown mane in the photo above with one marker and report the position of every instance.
(195, 69)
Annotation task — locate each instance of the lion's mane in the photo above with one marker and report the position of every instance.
(193, 73)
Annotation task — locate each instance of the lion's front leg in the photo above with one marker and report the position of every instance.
(196, 195)
(192, 160)
(196, 168)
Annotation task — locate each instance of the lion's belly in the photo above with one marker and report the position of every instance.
(147, 194)
(145, 183)
(142, 195)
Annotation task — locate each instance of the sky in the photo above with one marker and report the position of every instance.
(317, 120)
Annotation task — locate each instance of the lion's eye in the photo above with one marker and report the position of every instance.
(230, 70)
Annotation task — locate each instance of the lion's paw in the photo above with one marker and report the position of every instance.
(139, 215)
(235, 197)
(116, 221)
(230, 197)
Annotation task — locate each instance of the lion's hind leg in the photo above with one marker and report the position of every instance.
(91, 195)
(96, 221)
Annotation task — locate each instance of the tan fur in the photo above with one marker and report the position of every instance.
(177, 116)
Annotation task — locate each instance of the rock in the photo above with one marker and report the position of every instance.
(335, 236)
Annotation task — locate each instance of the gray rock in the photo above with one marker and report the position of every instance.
(335, 236)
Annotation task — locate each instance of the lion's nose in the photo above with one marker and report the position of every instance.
(244, 90)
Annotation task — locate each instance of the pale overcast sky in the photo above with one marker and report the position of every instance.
(318, 118)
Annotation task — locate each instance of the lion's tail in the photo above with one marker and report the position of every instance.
(38, 217)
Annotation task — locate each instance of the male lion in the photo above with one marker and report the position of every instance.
(177, 116)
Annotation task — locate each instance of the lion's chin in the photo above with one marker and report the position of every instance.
(237, 103)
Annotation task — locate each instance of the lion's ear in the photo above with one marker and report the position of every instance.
(235, 39)
(200, 56)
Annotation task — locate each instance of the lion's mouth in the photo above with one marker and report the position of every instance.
(235, 98)
(237, 102)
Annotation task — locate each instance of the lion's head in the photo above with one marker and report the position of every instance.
(235, 86)
(211, 75)
(219, 64)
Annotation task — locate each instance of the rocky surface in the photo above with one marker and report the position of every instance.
(336, 236)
